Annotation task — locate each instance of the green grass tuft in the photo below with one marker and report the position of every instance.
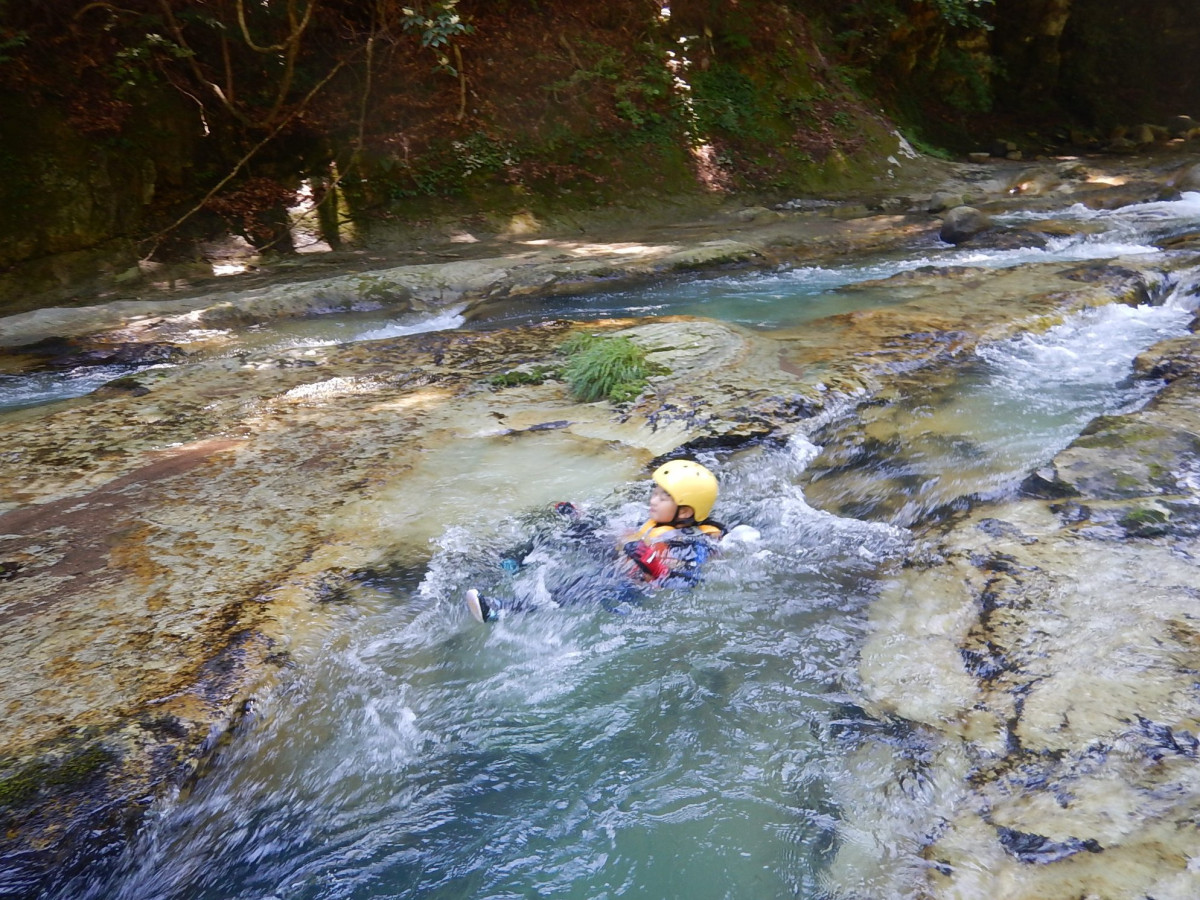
(606, 368)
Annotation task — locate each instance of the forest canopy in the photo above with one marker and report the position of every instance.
(214, 113)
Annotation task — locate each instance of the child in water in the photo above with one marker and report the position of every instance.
(667, 551)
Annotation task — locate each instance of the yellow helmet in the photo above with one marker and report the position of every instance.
(689, 484)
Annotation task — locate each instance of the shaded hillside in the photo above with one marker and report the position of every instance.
(136, 129)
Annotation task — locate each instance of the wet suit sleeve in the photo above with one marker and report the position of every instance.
(566, 527)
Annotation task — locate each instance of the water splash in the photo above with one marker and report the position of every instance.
(1140, 223)
(1185, 209)
(1004, 414)
(25, 391)
(680, 750)
(447, 320)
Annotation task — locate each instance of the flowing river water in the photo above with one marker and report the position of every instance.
(694, 746)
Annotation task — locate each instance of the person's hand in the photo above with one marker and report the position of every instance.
(650, 558)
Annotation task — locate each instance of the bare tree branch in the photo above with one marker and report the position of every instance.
(241, 163)
(100, 4)
(293, 37)
(198, 73)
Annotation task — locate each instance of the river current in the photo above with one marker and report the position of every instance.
(688, 747)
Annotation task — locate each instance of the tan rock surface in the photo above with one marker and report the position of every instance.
(1052, 644)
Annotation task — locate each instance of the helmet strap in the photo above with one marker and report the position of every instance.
(683, 521)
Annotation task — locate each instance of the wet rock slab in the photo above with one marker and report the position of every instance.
(163, 551)
(540, 267)
(1047, 650)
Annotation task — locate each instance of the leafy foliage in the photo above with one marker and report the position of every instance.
(596, 367)
(726, 100)
(963, 13)
(606, 368)
(535, 375)
(135, 66)
(969, 80)
(642, 100)
(436, 26)
(9, 41)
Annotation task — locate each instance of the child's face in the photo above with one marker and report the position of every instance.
(662, 507)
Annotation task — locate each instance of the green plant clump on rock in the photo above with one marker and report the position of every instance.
(606, 368)
(1146, 522)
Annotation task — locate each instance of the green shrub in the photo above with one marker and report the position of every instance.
(964, 13)
(606, 368)
(726, 100)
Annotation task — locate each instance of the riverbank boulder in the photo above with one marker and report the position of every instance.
(1188, 179)
(944, 200)
(963, 223)
(1181, 126)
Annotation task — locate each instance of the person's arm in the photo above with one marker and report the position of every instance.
(675, 561)
(565, 525)
(653, 560)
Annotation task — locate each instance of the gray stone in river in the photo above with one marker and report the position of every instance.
(962, 223)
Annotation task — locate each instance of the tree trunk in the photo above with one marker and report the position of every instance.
(1045, 62)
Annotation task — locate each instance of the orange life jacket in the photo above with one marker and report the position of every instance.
(653, 531)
